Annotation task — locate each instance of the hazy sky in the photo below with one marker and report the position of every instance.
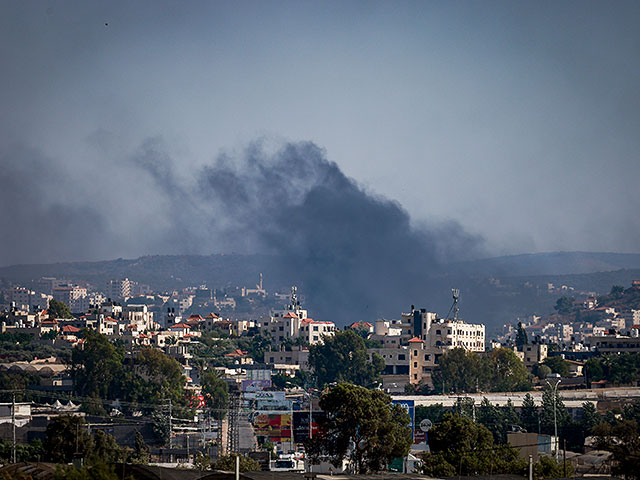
(518, 120)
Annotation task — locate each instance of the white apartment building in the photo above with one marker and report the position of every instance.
(25, 299)
(292, 322)
(313, 331)
(119, 289)
(71, 295)
(450, 334)
(138, 315)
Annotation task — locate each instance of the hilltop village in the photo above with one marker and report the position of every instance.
(175, 378)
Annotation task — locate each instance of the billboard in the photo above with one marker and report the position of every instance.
(255, 385)
(301, 424)
(275, 401)
(275, 396)
(275, 426)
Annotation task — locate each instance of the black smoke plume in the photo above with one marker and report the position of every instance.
(354, 254)
(357, 255)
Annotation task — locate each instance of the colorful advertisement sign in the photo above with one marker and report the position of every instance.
(275, 426)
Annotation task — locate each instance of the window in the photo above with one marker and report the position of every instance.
(415, 353)
(315, 338)
(315, 329)
(427, 357)
(438, 332)
(415, 364)
(401, 356)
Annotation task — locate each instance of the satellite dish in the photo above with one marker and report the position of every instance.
(425, 425)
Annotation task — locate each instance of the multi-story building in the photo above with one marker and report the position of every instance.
(614, 344)
(450, 334)
(72, 296)
(631, 317)
(312, 330)
(119, 289)
(297, 356)
(416, 357)
(533, 353)
(138, 315)
(47, 284)
(26, 299)
(292, 322)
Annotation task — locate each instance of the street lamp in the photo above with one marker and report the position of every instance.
(554, 378)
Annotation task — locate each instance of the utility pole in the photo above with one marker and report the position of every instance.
(13, 427)
(310, 414)
(170, 426)
(554, 390)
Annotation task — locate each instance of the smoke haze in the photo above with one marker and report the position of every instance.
(349, 249)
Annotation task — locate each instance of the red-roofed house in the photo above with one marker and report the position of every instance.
(313, 331)
(366, 326)
(70, 329)
(240, 357)
(180, 328)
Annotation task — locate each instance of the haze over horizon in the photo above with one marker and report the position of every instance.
(440, 130)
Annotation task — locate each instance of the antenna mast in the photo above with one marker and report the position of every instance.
(454, 308)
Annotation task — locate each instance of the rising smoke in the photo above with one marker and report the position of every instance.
(354, 254)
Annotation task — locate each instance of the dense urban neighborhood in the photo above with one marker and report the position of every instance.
(125, 374)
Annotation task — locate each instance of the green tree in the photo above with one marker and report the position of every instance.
(227, 463)
(216, 393)
(506, 371)
(344, 358)
(202, 462)
(58, 309)
(465, 406)
(557, 365)
(161, 428)
(529, 414)
(158, 377)
(511, 418)
(97, 368)
(491, 417)
(431, 412)
(549, 397)
(361, 424)
(541, 370)
(461, 371)
(66, 436)
(105, 449)
(140, 450)
(547, 467)
(593, 371)
(460, 446)
(590, 417)
(521, 335)
(564, 305)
